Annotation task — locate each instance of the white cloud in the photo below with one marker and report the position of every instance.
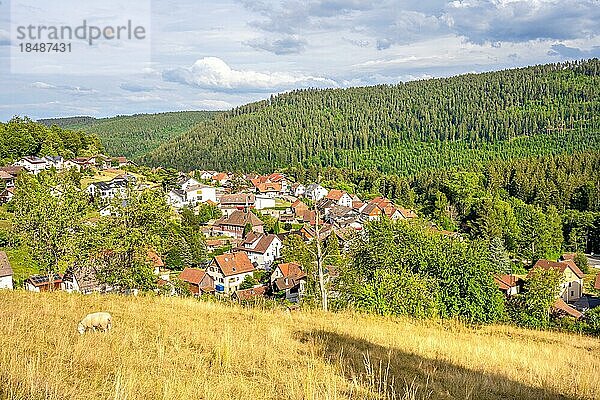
(214, 74)
(62, 88)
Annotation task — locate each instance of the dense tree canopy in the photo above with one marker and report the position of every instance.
(21, 137)
(405, 128)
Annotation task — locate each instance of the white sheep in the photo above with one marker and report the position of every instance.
(99, 320)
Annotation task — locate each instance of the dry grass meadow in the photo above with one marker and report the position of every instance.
(165, 348)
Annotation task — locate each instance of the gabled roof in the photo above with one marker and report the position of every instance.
(335, 194)
(155, 259)
(408, 214)
(561, 307)
(85, 275)
(559, 265)
(299, 204)
(505, 281)
(247, 294)
(256, 243)
(292, 270)
(12, 169)
(234, 263)
(42, 280)
(192, 275)
(34, 160)
(240, 218)
(5, 268)
(220, 176)
(238, 199)
(269, 187)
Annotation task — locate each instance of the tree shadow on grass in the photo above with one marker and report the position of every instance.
(376, 371)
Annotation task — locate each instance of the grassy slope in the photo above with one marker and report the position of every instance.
(163, 348)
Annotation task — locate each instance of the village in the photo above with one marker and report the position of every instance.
(246, 258)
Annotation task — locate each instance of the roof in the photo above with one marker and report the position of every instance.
(559, 265)
(569, 256)
(34, 160)
(41, 280)
(292, 270)
(247, 294)
(192, 275)
(240, 218)
(505, 281)
(220, 176)
(12, 169)
(286, 282)
(269, 187)
(239, 198)
(5, 175)
(85, 275)
(5, 268)
(408, 214)
(563, 308)
(256, 243)
(234, 263)
(155, 259)
(299, 204)
(335, 194)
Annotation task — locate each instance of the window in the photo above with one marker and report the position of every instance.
(572, 293)
(570, 284)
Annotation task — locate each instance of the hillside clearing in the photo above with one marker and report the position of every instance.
(168, 348)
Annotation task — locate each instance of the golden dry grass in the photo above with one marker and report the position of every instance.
(165, 348)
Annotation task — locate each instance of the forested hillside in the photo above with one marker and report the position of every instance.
(404, 128)
(134, 135)
(22, 137)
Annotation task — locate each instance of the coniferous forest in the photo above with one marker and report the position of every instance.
(134, 135)
(405, 128)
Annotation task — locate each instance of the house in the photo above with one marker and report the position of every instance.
(298, 190)
(229, 271)
(56, 162)
(220, 178)
(263, 202)
(254, 293)
(198, 281)
(215, 244)
(7, 179)
(240, 201)
(108, 190)
(234, 224)
(380, 206)
(80, 163)
(191, 194)
(344, 217)
(33, 164)
(6, 272)
(340, 197)
(262, 249)
(82, 280)
(7, 195)
(508, 284)
(186, 182)
(120, 162)
(43, 283)
(269, 189)
(290, 278)
(205, 175)
(572, 284)
(299, 208)
(315, 192)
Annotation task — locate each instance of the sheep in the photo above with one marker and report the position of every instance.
(99, 320)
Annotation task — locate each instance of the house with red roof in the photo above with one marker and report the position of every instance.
(229, 271)
(291, 279)
(572, 283)
(254, 293)
(198, 281)
(234, 224)
(508, 284)
(340, 197)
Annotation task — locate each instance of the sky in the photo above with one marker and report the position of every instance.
(217, 55)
